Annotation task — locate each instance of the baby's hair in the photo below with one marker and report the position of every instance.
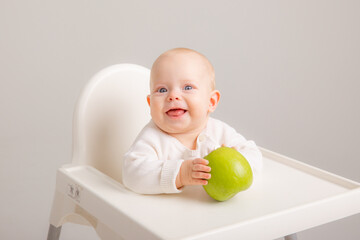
(188, 50)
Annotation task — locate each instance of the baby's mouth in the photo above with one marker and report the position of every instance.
(176, 112)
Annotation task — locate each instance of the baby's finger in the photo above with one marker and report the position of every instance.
(202, 168)
(201, 175)
(199, 182)
(201, 161)
(233, 147)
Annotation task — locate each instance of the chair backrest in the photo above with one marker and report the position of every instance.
(110, 112)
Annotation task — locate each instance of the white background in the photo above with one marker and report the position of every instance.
(288, 72)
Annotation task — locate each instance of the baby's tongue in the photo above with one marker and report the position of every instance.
(175, 112)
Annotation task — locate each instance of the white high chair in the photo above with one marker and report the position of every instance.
(289, 197)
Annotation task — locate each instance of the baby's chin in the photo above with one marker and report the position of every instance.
(181, 128)
(173, 129)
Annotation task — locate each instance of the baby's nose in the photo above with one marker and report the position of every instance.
(173, 96)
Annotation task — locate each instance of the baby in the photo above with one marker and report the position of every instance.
(168, 153)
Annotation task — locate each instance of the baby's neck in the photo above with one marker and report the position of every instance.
(187, 139)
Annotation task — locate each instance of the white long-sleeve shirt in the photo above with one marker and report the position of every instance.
(153, 161)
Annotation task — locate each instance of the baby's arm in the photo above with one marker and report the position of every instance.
(247, 148)
(145, 173)
(193, 172)
(145, 168)
(252, 154)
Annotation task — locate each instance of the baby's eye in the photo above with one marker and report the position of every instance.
(162, 90)
(188, 87)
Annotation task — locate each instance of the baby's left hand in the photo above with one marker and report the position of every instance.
(223, 145)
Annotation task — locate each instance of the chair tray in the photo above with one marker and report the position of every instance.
(289, 196)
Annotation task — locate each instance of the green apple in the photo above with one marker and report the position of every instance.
(230, 173)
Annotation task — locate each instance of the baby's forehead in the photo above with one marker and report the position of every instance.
(186, 55)
(181, 57)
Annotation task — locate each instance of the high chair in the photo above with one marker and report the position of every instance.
(288, 197)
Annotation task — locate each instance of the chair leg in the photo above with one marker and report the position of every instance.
(54, 232)
(291, 237)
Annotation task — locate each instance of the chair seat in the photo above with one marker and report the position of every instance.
(290, 194)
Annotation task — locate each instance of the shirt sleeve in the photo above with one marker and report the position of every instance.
(143, 172)
(247, 148)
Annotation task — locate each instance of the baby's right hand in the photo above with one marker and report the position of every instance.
(193, 172)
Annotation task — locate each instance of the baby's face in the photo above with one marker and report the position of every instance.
(181, 96)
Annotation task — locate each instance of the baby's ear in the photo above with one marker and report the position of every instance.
(148, 99)
(214, 100)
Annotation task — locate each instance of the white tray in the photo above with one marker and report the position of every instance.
(289, 197)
